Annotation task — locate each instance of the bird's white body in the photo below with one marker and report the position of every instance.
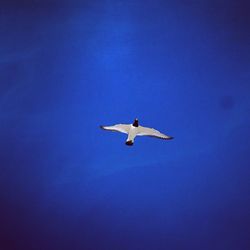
(132, 130)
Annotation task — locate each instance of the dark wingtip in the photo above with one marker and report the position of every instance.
(101, 126)
(171, 138)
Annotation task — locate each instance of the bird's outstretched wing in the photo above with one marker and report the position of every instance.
(152, 132)
(123, 128)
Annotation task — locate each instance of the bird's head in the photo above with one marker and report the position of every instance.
(136, 123)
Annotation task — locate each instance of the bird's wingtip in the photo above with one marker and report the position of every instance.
(169, 138)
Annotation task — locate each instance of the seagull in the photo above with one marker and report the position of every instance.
(134, 129)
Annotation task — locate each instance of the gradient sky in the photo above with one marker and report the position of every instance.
(67, 67)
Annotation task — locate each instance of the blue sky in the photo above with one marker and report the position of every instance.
(68, 67)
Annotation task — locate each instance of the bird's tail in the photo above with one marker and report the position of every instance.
(129, 143)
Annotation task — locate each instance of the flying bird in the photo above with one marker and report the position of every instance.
(134, 129)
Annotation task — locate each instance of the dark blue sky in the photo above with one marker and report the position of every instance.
(67, 67)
